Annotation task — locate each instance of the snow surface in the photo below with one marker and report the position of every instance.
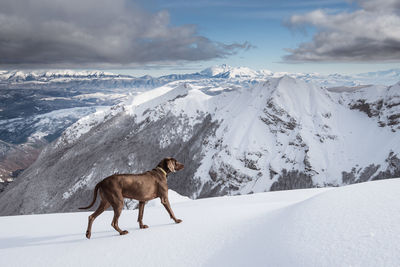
(354, 225)
(86, 123)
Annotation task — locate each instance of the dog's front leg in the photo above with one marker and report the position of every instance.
(165, 202)
(140, 215)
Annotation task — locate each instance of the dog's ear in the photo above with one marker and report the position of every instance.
(171, 165)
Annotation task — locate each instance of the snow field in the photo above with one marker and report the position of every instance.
(354, 225)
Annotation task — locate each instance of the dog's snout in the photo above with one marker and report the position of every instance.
(179, 166)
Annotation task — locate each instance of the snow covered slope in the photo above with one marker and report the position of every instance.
(36, 107)
(354, 225)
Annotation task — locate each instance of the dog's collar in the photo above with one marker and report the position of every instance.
(161, 169)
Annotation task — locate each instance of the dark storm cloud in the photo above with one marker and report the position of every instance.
(369, 34)
(78, 33)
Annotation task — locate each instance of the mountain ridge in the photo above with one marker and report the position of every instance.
(223, 71)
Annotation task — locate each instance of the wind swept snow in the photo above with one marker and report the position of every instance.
(355, 225)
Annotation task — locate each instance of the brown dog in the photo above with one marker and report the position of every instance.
(143, 187)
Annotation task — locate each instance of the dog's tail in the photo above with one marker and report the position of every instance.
(94, 197)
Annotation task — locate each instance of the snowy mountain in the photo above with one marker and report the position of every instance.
(225, 71)
(36, 107)
(354, 225)
(235, 136)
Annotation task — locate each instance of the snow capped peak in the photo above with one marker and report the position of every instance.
(216, 70)
(290, 85)
(152, 98)
(225, 71)
(286, 79)
(393, 92)
(266, 72)
(242, 72)
(299, 99)
(146, 77)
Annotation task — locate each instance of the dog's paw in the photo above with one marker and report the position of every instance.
(123, 232)
(178, 220)
(88, 234)
(143, 226)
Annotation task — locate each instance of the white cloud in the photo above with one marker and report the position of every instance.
(371, 33)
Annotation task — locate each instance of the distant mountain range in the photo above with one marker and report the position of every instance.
(83, 79)
(237, 130)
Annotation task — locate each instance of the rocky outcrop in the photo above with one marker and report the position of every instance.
(292, 180)
(384, 108)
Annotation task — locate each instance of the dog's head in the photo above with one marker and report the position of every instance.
(170, 165)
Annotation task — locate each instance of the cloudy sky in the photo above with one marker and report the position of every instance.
(159, 36)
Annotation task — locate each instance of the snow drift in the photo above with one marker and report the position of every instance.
(354, 225)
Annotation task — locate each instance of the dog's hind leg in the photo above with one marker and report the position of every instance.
(102, 207)
(117, 212)
(140, 215)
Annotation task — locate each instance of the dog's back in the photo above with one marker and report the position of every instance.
(142, 187)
